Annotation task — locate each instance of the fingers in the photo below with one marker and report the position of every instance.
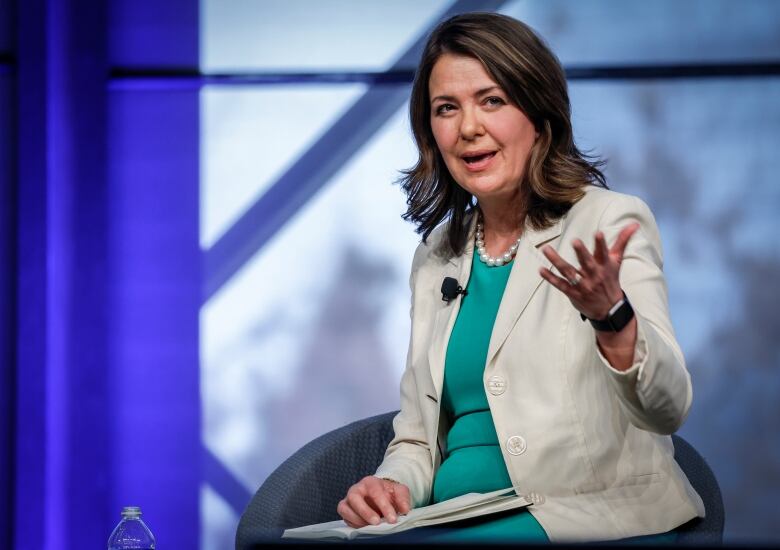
(401, 498)
(349, 516)
(371, 499)
(600, 249)
(594, 286)
(357, 502)
(563, 267)
(558, 282)
(622, 240)
(381, 499)
(587, 262)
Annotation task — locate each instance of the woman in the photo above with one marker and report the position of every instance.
(508, 384)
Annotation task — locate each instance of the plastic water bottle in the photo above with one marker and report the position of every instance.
(131, 532)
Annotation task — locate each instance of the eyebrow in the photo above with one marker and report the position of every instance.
(476, 94)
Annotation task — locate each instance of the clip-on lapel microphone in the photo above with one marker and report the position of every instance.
(450, 289)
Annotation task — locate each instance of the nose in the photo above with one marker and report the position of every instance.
(470, 124)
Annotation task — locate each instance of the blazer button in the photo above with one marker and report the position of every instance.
(516, 445)
(496, 385)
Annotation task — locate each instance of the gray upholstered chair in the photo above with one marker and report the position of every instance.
(307, 487)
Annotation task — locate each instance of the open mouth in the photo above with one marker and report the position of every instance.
(475, 159)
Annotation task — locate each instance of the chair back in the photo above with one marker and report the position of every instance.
(307, 487)
(708, 530)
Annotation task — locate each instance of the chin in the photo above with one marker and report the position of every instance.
(484, 190)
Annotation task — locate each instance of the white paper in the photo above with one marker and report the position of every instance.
(463, 507)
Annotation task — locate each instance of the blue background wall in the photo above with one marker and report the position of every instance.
(100, 196)
(169, 171)
(7, 273)
(154, 269)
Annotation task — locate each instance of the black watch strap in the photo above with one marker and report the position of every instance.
(619, 316)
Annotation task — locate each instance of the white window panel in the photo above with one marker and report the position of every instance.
(310, 35)
(657, 31)
(312, 332)
(251, 136)
(218, 522)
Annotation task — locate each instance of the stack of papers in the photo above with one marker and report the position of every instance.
(466, 506)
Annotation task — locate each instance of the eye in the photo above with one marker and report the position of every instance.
(494, 101)
(444, 108)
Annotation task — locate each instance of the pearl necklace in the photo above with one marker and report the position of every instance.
(491, 261)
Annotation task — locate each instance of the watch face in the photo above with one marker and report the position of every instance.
(616, 307)
(619, 316)
(622, 316)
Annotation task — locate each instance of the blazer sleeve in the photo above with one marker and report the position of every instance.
(655, 391)
(408, 458)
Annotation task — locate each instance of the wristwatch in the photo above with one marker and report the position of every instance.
(618, 317)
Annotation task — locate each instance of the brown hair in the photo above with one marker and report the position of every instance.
(530, 74)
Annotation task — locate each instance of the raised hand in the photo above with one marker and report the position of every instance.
(595, 287)
(371, 499)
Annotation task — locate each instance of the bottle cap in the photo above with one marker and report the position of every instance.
(131, 512)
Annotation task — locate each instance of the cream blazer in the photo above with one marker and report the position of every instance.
(589, 443)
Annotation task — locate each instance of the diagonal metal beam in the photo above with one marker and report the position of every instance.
(224, 483)
(315, 167)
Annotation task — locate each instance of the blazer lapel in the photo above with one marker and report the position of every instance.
(444, 319)
(523, 282)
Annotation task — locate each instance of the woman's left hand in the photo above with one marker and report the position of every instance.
(595, 287)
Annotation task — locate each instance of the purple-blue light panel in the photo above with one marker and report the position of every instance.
(62, 473)
(154, 270)
(7, 304)
(153, 34)
(31, 323)
(6, 26)
(78, 469)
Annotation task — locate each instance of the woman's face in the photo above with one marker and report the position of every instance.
(484, 139)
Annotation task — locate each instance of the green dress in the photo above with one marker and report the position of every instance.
(474, 462)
